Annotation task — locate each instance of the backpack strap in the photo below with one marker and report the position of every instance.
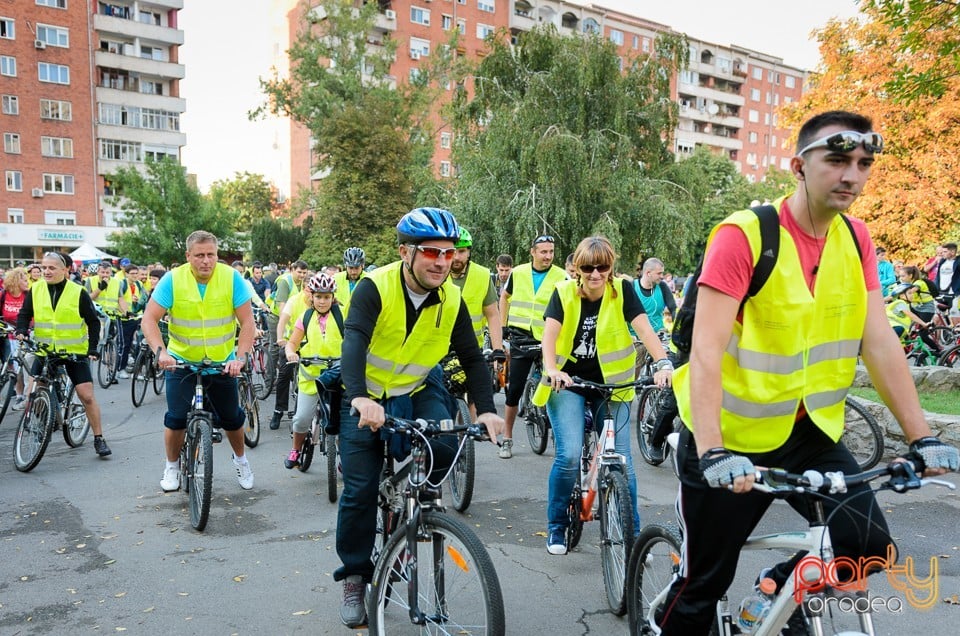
(338, 317)
(307, 315)
(856, 242)
(769, 247)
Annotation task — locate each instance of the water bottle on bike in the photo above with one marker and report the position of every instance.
(754, 608)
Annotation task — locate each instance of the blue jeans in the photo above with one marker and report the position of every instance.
(566, 410)
(361, 457)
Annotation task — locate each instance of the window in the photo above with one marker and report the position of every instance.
(56, 4)
(148, 17)
(11, 143)
(56, 109)
(158, 119)
(121, 150)
(58, 183)
(753, 116)
(769, 98)
(685, 148)
(773, 76)
(54, 73)
(6, 28)
(486, 5)
(766, 119)
(753, 137)
(148, 87)
(445, 139)
(773, 141)
(59, 217)
(11, 105)
(444, 168)
(14, 181)
(462, 26)
(483, 30)
(616, 37)
(724, 64)
(752, 158)
(420, 46)
(56, 147)
(420, 16)
(446, 22)
(646, 45)
(787, 99)
(8, 66)
(790, 81)
(591, 26)
(636, 42)
(689, 77)
(53, 36)
(15, 215)
(757, 73)
(755, 94)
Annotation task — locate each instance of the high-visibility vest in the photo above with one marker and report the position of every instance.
(271, 300)
(327, 344)
(344, 292)
(61, 328)
(792, 347)
(202, 328)
(298, 304)
(527, 306)
(615, 351)
(473, 292)
(398, 364)
(109, 297)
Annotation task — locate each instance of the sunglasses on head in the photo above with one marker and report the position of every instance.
(847, 141)
(589, 269)
(543, 238)
(433, 253)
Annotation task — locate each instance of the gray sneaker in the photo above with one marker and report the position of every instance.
(352, 611)
(506, 449)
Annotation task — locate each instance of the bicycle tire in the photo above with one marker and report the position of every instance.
(574, 522)
(306, 453)
(862, 435)
(616, 536)
(8, 388)
(262, 387)
(33, 432)
(945, 336)
(107, 366)
(464, 470)
(76, 424)
(251, 411)
(200, 472)
(950, 358)
(449, 556)
(331, 447)
(159, 375)
(646, 406)
(654, 561)
(140, 378)
(536, 420)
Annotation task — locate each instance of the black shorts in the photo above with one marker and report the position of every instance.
(77, 370)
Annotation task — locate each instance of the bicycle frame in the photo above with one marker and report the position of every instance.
(603, 455)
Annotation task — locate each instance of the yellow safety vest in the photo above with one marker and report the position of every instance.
(398, 364)
(343, 292)
(271, 300)
(615, 351)
(298, 305)
(896, 313)
(202, 328)
(326, 343)
(61, 328)
(109, 297)
(473, 292)
(792, 347)
(527, 307)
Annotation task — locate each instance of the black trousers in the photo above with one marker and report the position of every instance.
(715, 524)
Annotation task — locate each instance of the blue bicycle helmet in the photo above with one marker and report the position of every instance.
(425, 224)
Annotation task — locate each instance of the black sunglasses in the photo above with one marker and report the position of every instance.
(589, 269)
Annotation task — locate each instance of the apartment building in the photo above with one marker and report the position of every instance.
(727, 95)
(87, 87)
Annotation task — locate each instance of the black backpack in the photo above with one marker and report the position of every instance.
(308, 315)
(682, 333)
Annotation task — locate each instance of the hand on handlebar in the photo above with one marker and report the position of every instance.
(234, 368)
(932, 457)
(165, 361)
(292, 356)
(493, 423)
(724, 469)
(558, 379)
(371, 413)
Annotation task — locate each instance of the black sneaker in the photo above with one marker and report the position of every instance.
(100, 446)
(275, 420)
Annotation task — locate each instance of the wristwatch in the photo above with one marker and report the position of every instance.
(662, 364)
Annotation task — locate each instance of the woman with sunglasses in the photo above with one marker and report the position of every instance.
(586, 328)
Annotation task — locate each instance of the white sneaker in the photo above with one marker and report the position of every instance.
(244, 474)
(19, 402)
(506, 449)
(123, 375)
(171, 479)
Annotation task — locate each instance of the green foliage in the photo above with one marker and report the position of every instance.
(557, 139)
(249, 196)
(946, 402)
(160, 209)
(277, 240)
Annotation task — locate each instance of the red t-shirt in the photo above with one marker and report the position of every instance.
(11, 307)
(728, 264)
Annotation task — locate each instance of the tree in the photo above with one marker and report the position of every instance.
(248, 195)
(277, 240)
(559, 140)
(160, 209)
(911, 200)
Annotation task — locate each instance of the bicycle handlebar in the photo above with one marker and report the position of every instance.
(902, 475)
(432, 428)
(203, 366)
(319, 360)
(34, 346)
(580, 383)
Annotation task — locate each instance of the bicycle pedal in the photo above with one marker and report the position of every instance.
(216, 435)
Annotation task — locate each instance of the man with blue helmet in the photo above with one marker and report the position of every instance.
(402, 321)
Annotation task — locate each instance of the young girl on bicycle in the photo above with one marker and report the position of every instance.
(317, 332)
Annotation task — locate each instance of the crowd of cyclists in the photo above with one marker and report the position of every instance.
(391, 326)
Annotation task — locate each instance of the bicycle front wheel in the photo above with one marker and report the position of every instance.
(616, 535)
(950, 358)
(76, 426)
(653, 564)
(458, 591)
(862, 435)
(141, 377)
(261, 384)
(159, 375)
(461, 481)
(536, 419)
(944, 336)
(33, 432)
(646, 407)
(200, 472)
(330, 449)
(107, 366)
(574, 521)
(251, 411)
(8, 388)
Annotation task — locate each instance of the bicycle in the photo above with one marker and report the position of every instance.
(538, 423)
(250, 406)
(108, 350)
(656, 554)
(196, 454)
(430, 569)
(9, 372)
(862, 435)
(317, 436)
(145, 368)
(259, 358)
(51, 404)
(464, 469)
(950, 358)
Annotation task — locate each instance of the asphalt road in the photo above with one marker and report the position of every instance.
(94, 546)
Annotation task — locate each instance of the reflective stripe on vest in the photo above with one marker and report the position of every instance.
(527, 307)
(343, 292)
(202, 328)
(473, 292)
(397, 363)
(318, 343)
(297, 305)
(616, 353)
(108, 298)
(781, 355)
(61, 328)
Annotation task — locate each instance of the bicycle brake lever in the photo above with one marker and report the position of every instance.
(938, 482)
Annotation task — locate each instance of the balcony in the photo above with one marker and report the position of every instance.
(706, 139)
(134, 29)
(704, 115)
(165, 4)
(142, 65)
(522, 17)
(130, 97)
(387, 25)
(147, 136)
(712, 94)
